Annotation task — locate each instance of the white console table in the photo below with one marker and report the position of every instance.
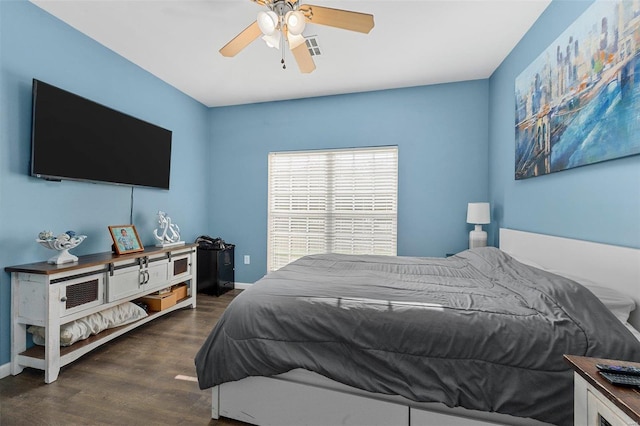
(52, 295)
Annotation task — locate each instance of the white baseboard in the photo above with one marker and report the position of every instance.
(242, 286)
(5, 370)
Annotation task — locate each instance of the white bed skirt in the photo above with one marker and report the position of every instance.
(300, 397)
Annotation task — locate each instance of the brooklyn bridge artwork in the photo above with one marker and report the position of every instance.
(578, 103)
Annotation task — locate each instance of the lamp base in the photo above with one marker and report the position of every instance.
(477, 237)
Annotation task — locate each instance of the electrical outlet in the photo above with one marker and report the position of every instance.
(247, 259)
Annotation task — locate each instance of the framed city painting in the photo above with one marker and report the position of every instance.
(578, 103)
(125, 239)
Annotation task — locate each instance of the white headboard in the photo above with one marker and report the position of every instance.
(607, 265)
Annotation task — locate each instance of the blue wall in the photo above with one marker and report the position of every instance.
(33, 44)
(599, 202)
(441, 133)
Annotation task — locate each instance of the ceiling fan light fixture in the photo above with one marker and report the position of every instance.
(268, 22)
(295, 40)
(272, 40)
(295, 22)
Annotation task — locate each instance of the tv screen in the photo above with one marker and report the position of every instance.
(78, 139)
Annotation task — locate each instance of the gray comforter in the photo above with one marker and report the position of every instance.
(478, 330)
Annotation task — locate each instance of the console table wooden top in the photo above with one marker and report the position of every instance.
(89, 260)
(625, 398)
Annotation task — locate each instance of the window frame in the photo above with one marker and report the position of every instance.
(384, 194)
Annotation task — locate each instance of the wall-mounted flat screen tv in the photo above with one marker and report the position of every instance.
(78, 139)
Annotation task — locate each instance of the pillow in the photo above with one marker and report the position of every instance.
(84, 327)
(633, 331)
(620, 304)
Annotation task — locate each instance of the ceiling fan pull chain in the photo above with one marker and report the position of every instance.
(284, 66)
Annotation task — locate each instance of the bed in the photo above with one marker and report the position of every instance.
(370, 346)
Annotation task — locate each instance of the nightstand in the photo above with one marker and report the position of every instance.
(596, 401)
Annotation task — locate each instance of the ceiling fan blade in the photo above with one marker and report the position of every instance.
(303, 58)
(242, 40)
(345, 19)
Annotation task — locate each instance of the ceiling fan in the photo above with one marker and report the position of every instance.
(285, 20)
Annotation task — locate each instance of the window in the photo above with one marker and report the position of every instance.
(335, 201)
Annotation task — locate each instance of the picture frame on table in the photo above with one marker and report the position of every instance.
(125, 239)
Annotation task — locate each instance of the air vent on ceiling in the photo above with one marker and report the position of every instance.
(312, 45)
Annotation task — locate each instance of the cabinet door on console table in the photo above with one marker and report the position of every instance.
(61, 295)
(81, 293)
(180, 265)
(131, 277)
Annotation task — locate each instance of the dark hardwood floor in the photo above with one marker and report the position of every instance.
(128, 381)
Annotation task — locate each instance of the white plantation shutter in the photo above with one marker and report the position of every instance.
(335, 201)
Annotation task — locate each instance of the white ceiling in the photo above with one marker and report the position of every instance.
(413, 43)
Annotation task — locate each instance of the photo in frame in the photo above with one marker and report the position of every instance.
(125, 239)
(578, 102)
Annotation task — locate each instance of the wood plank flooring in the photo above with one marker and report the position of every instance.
(128, 381)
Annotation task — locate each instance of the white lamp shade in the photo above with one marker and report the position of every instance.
(478, 213)
(295, 22)
(267, 21)
(295, 40)
(272, 40)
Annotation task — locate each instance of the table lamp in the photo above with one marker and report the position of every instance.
(478, 214)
